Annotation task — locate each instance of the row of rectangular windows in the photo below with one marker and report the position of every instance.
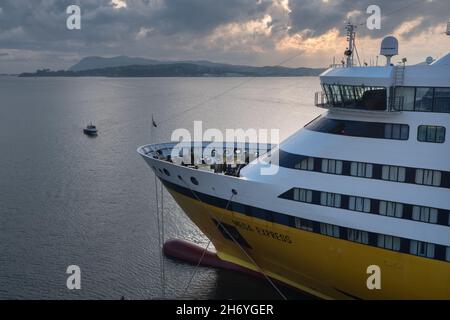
(384, 241)
(423, 249)
(367, 205)
(393, 131)
(417, 248)
(429, 250)
(426, 177)
(422, 99)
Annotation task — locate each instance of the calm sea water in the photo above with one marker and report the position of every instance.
(68, 199)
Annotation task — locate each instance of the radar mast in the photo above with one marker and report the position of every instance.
(351, 34)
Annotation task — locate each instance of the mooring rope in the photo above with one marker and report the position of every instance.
(163, 271)
(201, 258)
(219, 222)
(159, 233)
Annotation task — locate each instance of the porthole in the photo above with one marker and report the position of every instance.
(234, 191)
(180, 177)
(194, 181)
(166, 172)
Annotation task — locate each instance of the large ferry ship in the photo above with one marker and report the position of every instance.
(365, 184)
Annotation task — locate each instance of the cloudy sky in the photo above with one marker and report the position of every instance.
(33, 33)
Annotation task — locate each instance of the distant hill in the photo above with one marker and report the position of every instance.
(90, 63)
(124, 66)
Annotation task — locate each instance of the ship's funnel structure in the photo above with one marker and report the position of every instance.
(389, 48)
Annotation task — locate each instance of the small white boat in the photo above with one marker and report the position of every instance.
(90, 130)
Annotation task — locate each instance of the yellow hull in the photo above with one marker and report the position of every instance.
(326, 267)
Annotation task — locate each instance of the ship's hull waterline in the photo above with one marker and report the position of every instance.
(322, 266)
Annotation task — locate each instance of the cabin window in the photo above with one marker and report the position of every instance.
(391, 209)
(396, 131)
(329, 230)
(358, 236)
(388, 242)
(447, 255)
(393, 173)
(359, 169)
(303, 224)
(428, 177)
(303, 195)
(434, 134)
(404, 98)
(306, 164)
(422, 249)
(360, 128)
(359, 204)
(424, 99)
(332, 166)
(425, 214)
(330, 199)
(441, 100)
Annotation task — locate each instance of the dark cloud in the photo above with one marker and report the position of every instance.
(174, 28)
(319, 16)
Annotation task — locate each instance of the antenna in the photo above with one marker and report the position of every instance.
(389, 48)
(351, 33)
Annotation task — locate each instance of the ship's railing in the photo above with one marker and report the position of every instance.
(320, 99)
(337, 65)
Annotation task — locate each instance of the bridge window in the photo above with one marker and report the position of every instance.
(434, 134)
(405, 98)
(428, 177)
(356, 97)
(422, 249)
(425, 214)
(393, 173)
(389, 242)
(441, 100)
(391, 209)
(424, 99)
